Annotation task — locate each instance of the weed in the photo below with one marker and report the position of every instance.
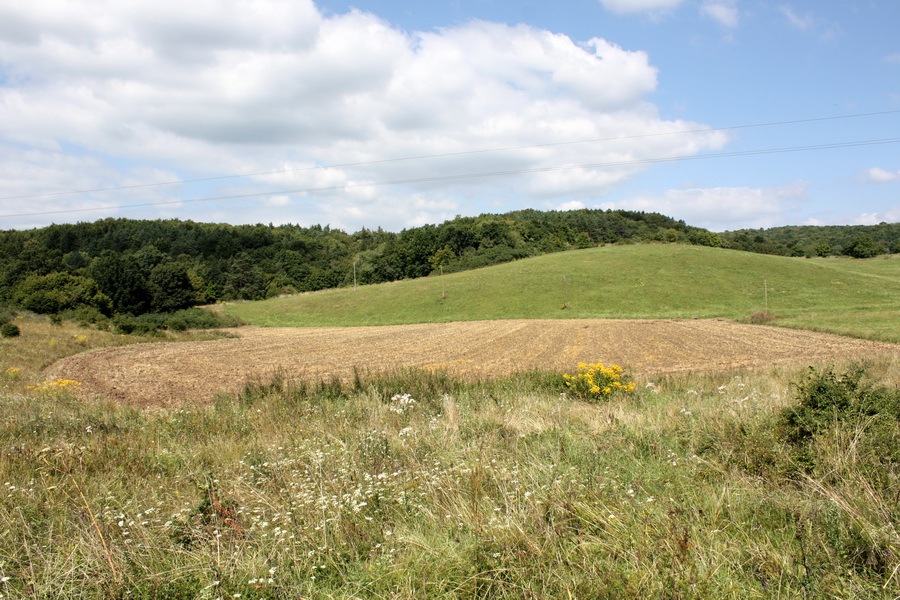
(595, 381)
(762, 317)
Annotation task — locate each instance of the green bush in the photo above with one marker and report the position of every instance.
(827, 399)
(182, 320)
(9, 330)
(864, 247)
(57, 292)
(86, 315)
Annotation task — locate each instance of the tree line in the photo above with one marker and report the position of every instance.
(137, 267)
(857, 241)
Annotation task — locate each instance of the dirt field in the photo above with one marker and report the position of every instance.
(170, 373)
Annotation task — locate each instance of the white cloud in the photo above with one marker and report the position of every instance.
(809, 22)
(132, 93)
(724, 12)
(889, 215)
(879, 175)
(277, 201)
(801, 22)
(572, 205)
(893, 58)
(630, 6)
(720, 209)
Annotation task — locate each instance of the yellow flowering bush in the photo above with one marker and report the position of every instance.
(54, 386)
(595, 381)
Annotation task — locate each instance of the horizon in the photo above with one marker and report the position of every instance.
(435, 224)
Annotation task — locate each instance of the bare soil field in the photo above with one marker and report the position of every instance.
(163, 374)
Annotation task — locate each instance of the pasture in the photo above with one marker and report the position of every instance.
(744, 474)
(653, 281)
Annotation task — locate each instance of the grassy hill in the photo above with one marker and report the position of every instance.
(855, 297)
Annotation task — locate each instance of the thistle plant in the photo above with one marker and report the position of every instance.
(595, 381)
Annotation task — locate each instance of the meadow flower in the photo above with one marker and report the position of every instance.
(400, 403)
(57, 385)
(596, 381)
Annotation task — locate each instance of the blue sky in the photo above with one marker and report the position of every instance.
(393, 114)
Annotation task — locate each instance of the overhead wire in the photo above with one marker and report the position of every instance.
(447, 155)
(478, 175)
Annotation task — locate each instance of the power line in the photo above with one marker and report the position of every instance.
(450, 154)
(481, 175)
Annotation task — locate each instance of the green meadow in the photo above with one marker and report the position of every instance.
(761, 484)
(854, 297)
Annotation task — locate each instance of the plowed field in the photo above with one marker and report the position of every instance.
(170, 373)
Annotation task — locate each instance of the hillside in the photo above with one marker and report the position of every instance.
(640, 281)
(133, 267)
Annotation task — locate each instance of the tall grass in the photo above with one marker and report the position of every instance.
(417, 485)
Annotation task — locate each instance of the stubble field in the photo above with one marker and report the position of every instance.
(161, 374)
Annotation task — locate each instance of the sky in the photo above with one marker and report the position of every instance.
(727, 114)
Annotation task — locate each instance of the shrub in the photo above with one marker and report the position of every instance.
(761, 317)
(85, 315)
(9, 330)
(191, 318)
(827, 399)
(596, 381)
(56, 292)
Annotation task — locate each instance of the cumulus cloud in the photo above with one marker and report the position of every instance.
(724, 12)
(879, 175)
(139, 92)
(889, 215)
(722, 208)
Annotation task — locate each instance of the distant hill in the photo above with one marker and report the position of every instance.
(129, 267)
(638, 281)
(858, 241)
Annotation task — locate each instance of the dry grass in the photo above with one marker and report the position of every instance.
(162, 374)
(418, 486)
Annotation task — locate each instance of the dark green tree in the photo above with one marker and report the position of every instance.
(121, 277)
(56, 292)
(863, 247)
(170, 287)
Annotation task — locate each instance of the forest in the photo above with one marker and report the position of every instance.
(122, 267)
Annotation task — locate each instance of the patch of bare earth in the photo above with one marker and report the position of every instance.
(171, 373)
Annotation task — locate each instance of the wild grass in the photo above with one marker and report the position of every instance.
(639, 281)
(43, 342)
(417, 485)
